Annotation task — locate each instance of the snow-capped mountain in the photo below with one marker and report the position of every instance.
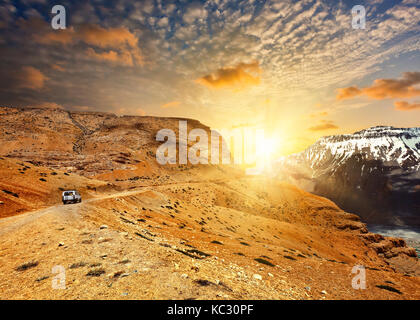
(374, 172)
(393, 146)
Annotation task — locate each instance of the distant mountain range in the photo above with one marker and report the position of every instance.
(373, 173)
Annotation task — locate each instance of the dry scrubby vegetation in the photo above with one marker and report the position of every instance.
(144, 231)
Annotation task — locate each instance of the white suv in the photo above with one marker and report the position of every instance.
(71, 196)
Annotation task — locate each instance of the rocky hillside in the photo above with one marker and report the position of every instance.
(374, 173)
(86, 143)
(145, 231)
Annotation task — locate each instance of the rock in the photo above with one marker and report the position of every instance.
(61, 244)
(1, 202)
(184, 276)
(270, 274)
(104, 226)
(257, 276)
(323, 292)
(308, 288)
(176, 266)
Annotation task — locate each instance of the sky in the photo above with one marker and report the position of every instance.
(298, 69)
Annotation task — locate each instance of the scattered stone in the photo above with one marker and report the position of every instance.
(194, 253)
(42, 278)
(257, 276)
(104, 226)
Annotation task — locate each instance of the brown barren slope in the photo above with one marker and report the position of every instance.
(149, 232)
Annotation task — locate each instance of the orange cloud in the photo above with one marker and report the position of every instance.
(319, 114)
(325, 125)
(346, 93)
(30, 78)
(406, 106)
(57, 67)
(241, 76)
(123, 57)
(104, 38)
(122, 43)
(64, 37)
(386, 88)
(171, 104)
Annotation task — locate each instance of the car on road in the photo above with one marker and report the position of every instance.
(71, 196)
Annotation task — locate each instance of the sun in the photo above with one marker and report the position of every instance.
(267, 148)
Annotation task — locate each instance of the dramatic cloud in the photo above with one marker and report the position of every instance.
(30, 78)
(347, 93)
(406, 106)
(122, 57)
(171, 104)
(238, 77)
(104, 38)
(58, 67)
(386, 88)
(325, 125)
(124, 44)
(318, 114)
(150, 53)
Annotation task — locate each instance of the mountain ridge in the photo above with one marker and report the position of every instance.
(370, 170)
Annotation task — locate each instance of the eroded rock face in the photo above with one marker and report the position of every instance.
(374, 173)
(111, 161)
(88, 143)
